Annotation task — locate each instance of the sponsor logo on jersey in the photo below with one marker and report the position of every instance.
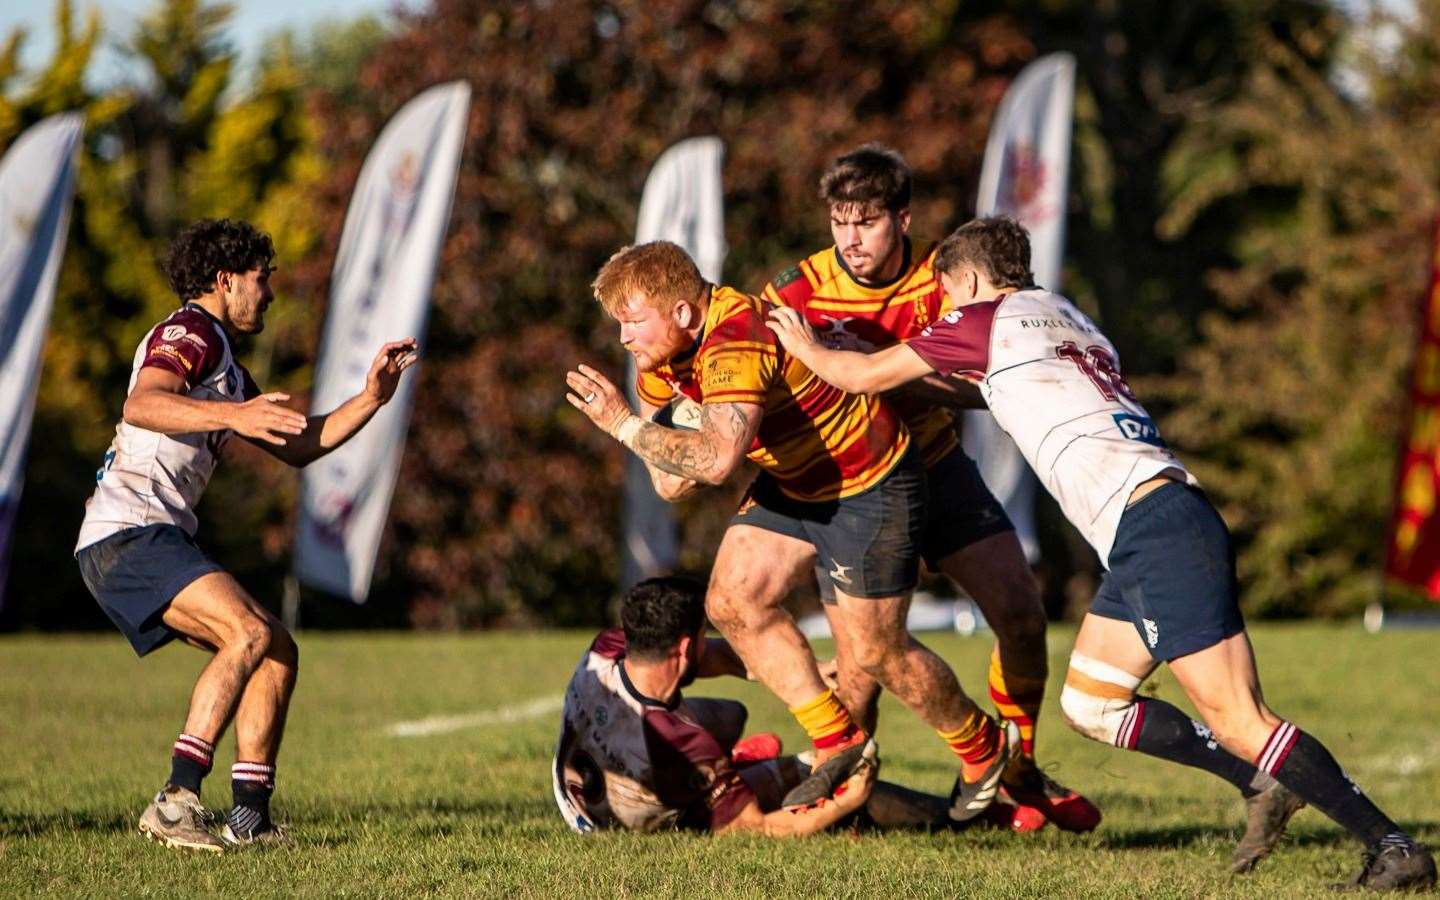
(952, 317)
(1138, 428)
(173, 332)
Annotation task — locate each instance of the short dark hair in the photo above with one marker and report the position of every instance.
(211, 246)
(658, 612)
(872, 176)
(998, 246)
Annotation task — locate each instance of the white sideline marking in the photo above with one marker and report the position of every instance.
(505, 715)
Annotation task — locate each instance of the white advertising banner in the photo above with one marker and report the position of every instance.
(37, 182)
(1026, 176)
(380, 291)
(683, 202)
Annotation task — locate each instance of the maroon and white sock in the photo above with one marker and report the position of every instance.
(190, 761)
(251, 785)
(1302, 764)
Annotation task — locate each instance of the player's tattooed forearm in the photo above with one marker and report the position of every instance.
(695, 455)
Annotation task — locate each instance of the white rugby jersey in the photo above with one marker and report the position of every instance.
(149, 478)
(1053, 382)
(631, 761)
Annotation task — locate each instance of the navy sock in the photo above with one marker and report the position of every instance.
(251, 785)
(1303, 765)
(190, 762)
(1158, 729)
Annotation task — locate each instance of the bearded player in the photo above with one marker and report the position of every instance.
(838, 494)
(876, 285)
(137, 553)
(1053, 382)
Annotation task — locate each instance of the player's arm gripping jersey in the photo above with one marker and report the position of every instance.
(1052, 380)
(817, 441)
(848, 315)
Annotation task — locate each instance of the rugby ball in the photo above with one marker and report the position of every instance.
(682, 412)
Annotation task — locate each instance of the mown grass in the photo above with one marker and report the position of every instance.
(86, 728)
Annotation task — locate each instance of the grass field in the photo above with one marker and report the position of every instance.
(467, 811)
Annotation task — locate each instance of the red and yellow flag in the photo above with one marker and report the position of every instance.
(1414, 552)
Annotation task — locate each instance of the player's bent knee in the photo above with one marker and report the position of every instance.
(1097, 698)
(283, 648)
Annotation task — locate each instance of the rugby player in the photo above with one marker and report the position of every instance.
(188, 394)
(1053, 382)
(838, 494)
(874, 286)
(635, 753)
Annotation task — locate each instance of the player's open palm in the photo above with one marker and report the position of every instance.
(264, 419)
(390, 363)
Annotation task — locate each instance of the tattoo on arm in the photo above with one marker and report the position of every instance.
(704, 455)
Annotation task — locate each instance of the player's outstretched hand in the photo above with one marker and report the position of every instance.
(393, 359)
(264, 419)
(790, 327)
(595, 396)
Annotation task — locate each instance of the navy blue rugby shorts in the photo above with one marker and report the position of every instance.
(135, 573)
(1172, 574)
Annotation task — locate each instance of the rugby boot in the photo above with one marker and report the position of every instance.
(756, 748)
(274, 836)
(1266, 815)
(973, 795)
(832, 771)
(1393, 865)
(1031, 789)
(176, 819)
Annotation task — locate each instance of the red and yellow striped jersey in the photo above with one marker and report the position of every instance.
(819, 442)
(849, 315)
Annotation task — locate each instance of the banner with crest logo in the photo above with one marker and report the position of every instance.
(1026, 176)
(380, 291)
(683, 202)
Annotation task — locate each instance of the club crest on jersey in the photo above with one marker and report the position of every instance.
(1139, 428)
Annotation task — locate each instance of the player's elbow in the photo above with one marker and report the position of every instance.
(725, 466)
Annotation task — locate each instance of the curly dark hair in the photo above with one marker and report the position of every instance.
(658, 612)
(998, 246)
(872, 176)
(211, 246)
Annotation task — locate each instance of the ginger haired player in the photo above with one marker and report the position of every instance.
(838, 494)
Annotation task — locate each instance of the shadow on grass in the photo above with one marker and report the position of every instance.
(35, 825)
(1180, 836)
(324, 824)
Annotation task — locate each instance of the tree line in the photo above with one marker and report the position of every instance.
(1250, 220)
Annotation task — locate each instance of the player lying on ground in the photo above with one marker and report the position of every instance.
(874, 286)
(1053, 382)
(137, 551)
(837, 487)
(636, 754)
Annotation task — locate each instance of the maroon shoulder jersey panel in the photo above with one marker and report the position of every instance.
(609, 643)
(960, 341)
(692, 772)
(187, 344)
